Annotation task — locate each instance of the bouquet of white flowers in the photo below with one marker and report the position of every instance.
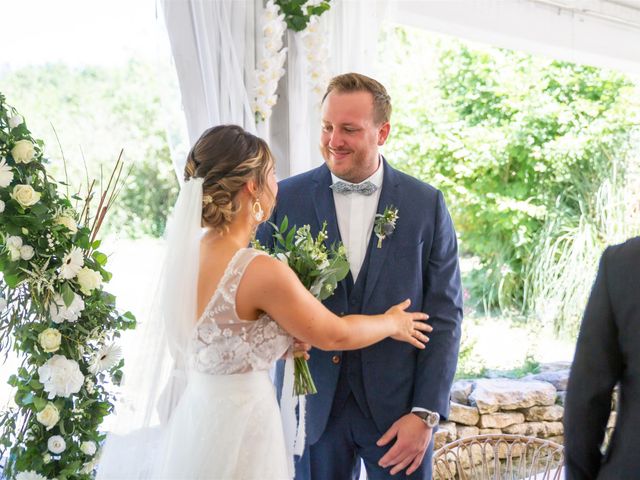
(318, 266)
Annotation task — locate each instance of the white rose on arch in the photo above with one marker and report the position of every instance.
(25, 195)
(49, 416)
(23, 151)
(68, 222)
(88, 448)
(56, 444)
(50, 340)
(61, 377)
(89, 280)
(27, 252)
(14, 244)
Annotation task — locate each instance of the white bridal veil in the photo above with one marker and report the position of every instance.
(155, 373)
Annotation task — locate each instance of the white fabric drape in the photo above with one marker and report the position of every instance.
(212, 42)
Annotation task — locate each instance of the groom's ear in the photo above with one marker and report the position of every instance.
(383, 133)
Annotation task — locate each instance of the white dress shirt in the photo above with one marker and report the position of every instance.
(356, 215)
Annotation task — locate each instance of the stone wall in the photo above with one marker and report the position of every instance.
(531, 406)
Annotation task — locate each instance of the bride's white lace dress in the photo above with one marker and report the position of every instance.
(227, 424)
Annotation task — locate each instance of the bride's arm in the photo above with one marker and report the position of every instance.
(272, 287)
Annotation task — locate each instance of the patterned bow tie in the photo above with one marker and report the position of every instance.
(366, 188)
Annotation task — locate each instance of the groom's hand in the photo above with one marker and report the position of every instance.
(413, 438)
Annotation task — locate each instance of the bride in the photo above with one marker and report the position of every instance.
(228, 313)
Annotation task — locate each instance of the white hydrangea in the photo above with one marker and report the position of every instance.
(59, 312)
(60, 376)
(30, 475)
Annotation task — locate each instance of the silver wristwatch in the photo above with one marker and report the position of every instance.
(431, 419)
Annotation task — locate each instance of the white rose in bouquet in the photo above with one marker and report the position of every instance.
(56, 444)
(59, 312)
(89, 280)
(88, 448)
(25, 195)
(1, 206)
(61, 377)
(15, 121)
(50, 340)
(48, 416)
(6, 174)
(23, 151)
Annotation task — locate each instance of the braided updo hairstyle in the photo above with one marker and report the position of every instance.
(227, 157)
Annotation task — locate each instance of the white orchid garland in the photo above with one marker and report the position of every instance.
(54, 315)
(271, 58)
(317, 56)
(276, 17)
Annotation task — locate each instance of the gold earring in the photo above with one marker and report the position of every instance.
(258, 213)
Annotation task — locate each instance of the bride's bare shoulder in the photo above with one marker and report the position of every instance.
(267, 268)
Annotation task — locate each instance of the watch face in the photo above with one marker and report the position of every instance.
(432, 419)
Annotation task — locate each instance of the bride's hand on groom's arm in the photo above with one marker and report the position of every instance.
(410, 326)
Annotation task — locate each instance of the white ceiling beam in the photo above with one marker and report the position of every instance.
(531, 25)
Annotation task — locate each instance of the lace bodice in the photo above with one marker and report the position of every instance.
(224, 344)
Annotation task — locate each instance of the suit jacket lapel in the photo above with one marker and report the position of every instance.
(377, 256)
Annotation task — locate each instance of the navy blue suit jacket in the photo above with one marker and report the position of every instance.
(418, 261)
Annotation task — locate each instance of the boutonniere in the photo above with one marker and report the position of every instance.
(385, 223)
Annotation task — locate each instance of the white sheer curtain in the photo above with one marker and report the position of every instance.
(212, 42)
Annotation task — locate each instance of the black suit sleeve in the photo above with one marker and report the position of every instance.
(596, 368)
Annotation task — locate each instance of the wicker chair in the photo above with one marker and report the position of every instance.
(498, 457)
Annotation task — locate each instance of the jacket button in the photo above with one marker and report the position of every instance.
(335, 359)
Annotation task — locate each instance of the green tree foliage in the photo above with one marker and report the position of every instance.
(96, 111)
(518, 144)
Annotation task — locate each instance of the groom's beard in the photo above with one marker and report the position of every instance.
(352, 167)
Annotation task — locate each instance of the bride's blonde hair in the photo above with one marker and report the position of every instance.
(227, 157)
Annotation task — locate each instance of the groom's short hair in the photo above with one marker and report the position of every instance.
(356, 82)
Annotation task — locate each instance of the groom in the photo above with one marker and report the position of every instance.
(382, 403)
